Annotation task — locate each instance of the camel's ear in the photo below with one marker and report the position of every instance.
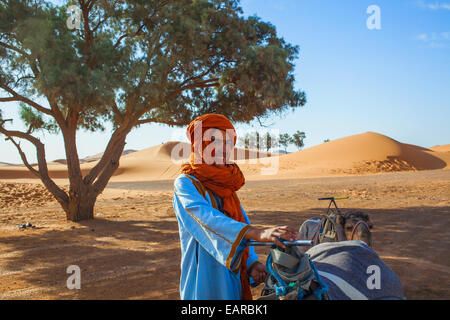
(370, 224)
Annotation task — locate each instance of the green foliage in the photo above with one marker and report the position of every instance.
(326, 140)
(285, 140)
(297, 139)
(255, 140)
(244, 141)
(270, 141)
(35, 120)
(164, 60)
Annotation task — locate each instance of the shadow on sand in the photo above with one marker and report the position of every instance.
(118, 260)
(141, 259)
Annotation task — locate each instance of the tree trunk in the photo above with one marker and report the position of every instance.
(81, 198)
(83, 194)
(81, 204)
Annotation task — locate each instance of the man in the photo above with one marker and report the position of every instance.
(216, 262)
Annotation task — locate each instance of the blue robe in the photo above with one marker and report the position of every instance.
(211, 246)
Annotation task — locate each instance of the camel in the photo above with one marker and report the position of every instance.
(335, 226)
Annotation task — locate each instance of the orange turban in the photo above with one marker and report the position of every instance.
(208, 121)
(223, 181)
(196, 133)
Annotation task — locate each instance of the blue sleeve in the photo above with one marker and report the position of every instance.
(219, 235)
(253, 257)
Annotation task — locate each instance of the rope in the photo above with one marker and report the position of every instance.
(323, 288)
(282, 288)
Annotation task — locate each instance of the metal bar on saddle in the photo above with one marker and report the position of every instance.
(300, 243)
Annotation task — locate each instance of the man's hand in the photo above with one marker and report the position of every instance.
(272, 234)
(258, 272)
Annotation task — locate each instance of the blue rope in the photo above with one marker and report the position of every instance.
(300, 294)
(282, 288)
(323, 288)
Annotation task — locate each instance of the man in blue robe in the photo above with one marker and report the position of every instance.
(214, 229)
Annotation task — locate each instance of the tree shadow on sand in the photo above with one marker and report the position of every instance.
(118, 260)
(140, 259)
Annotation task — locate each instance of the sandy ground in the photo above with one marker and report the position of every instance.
(131, 250)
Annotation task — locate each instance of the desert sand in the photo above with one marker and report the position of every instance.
(131, 250)
(443, 148)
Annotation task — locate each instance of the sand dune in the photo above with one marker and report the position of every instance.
(443, 148)
(4, 164)
(368, 152)
(364, 153)
(153, 163)
(98, 156)
(163, 161)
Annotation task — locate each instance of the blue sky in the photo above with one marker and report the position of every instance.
(395, 81)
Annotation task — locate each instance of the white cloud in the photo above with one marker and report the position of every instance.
(422, 37)
(434, 39)
(434, 6)
(436, 45)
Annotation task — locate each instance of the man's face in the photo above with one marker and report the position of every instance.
(221, 148)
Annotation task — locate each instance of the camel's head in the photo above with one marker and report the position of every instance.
(357, 226)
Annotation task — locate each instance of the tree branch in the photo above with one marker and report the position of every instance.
(7, 46)
(99, 24)
(109, 169)
(170, 123)
(215, 65)
(18, 97)
(25, 77)
(116, 141)
(8, 99)
(116, 110)
(201, 84)
(24, 158)
(59, 194)
(141, 27)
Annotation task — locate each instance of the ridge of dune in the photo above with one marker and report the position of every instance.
(368, 152)
(441, 148)
(95, 157)
(364, 153)
(181, 151)
(163, 161)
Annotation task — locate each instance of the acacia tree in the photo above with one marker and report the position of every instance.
(133, 62)
(297, 139)
(284, 140)
(270, 141)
